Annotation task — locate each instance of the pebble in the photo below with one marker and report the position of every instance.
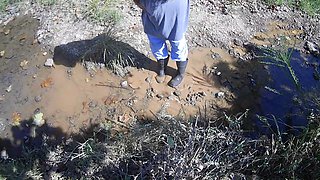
(312, 47)
(2, 53)
(49, 63)
(44, 53)
(38, 118)
(38, 98)
(148, 80)
(92, 104)
(69, 72)
(124, 84)
(177, 93)
(7, 32)
(2, 125)
(220, 95)
(218, 73)
(160, 96)
(4, 154)
(9, 89)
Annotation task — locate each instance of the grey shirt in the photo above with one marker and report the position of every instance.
(166, 19)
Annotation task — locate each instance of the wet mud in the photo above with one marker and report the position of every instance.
(72, 98)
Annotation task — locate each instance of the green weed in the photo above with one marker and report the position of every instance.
(114, 54)
(101, 12)
(282, 58)
(312, 7)
(4, 4)
(46, 2)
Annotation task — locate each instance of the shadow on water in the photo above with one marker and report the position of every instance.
(276, 105)
(103, 49)
(280, 106)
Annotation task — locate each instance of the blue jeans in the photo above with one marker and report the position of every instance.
(179, 49)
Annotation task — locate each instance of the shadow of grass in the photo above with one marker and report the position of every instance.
(103, 49)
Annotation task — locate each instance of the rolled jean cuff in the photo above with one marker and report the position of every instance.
(179, 48)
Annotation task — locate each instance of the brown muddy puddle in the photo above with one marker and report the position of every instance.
(71, 98)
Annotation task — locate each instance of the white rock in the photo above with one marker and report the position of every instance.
(124, 84)
(4, 154)
(9, 89)
(220, 95)
(49, 63)
(38, 119)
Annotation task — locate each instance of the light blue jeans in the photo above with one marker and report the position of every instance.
(179, 49)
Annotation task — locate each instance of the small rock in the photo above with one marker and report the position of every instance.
(124, 84)
(225, 11)
(38, 98)
(312, 47)
(177, 93)
(220, 95)
(23, 64)
(160, 96)
(92, 104)
(237, 42)
(4, 154)
(6, 32)
(215, 56)
(49, 63)
(69, 72)
(9, 89)
(2, 53)
(148, 80)
(44, 53)
(38, 118)
(218, 73)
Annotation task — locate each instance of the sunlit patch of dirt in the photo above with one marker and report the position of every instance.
(73, 98)
(276, 30)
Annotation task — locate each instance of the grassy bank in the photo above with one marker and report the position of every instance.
(312, 7)
(170, 149)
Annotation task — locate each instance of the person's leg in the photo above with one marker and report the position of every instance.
(179, 53)
(160, 52)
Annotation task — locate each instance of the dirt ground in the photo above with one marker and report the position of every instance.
(219, 76)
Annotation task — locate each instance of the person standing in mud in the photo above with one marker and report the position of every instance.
(167, 20)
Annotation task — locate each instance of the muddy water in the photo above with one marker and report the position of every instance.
(72, 98)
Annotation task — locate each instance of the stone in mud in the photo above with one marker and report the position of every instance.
(215, 56)
(2, 125)
(2, 53)
(37, 98)
(49, 63)
(69, 72)
(38, 118)
(237, 42)
(4, 154)
(160, 96)
(93, 104)
(9, 89)
(220, 95)
(177, 93)
(124, 84)
(148, 80)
